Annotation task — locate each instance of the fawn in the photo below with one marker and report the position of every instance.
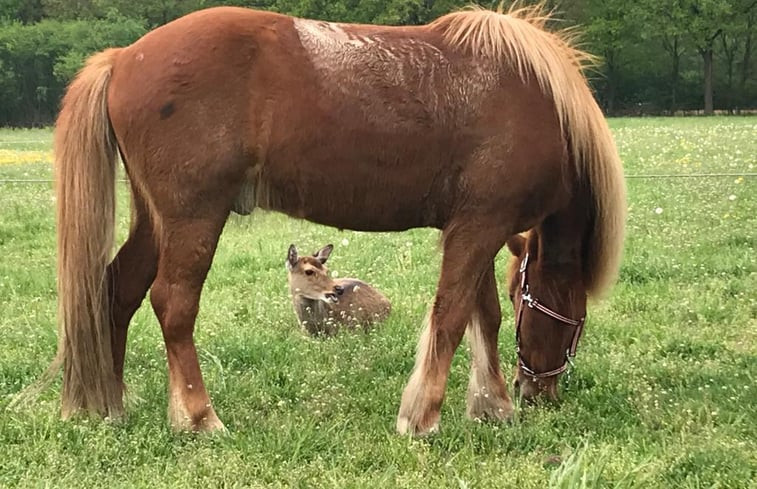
(323, 305)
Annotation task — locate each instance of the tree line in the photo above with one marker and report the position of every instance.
(657, 56)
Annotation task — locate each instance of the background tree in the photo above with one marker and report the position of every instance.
(657, 55)
(737, 38)
(24, 11)
(705, 24)
(664, 23)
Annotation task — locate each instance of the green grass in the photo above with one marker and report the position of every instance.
(663, 394)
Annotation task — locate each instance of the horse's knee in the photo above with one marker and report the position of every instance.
(449, 317)
(489, 320)
(159, 299)
(176, 307)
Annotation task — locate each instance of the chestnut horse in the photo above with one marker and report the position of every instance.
(480, 124)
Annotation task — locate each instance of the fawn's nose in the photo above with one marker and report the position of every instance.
(339, 289)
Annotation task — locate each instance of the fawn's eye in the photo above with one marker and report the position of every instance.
(309, 272)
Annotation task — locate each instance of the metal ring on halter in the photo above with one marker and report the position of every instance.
(533, 303)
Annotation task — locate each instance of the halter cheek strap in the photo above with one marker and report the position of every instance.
(526, 299)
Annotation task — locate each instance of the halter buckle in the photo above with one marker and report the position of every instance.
(528, 299)
(569, 359)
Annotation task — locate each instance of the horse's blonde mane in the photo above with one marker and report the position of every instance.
(517, 32)
(519, 37)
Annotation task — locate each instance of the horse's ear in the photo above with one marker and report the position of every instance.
(291, 257)
(516, 245)
(323, 254)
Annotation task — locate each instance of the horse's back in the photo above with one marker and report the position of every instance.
(353, 126)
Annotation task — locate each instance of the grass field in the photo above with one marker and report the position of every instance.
(663, 395)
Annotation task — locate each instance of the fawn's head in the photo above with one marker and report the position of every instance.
(309, 277)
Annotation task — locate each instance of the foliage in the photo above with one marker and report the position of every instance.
(658, 55)
(38, 60)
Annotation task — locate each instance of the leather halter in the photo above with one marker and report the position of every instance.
(526, 299)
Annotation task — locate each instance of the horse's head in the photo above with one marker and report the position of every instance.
(550, 306)
(309, 277)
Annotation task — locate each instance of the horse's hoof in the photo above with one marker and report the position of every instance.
(210, 424)
(407, 426)
(205, 422)
(485, 406)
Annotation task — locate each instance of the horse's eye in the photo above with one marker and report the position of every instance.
(309, 272)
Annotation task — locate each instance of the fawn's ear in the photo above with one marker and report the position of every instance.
(291, 257)
(323, 254)
(516, 244)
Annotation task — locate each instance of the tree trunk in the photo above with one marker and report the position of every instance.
(674, 77)
(611, 85)
(747, 58)
(729, 51)
(707, 58)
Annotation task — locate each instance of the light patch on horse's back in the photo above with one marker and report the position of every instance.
(393, 80)
(327, 34)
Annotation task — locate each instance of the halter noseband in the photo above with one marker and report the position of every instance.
(532, 302)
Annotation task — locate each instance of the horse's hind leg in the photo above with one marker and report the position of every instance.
(130, 274)
(487, 391)
(186, 251)
(469, 249)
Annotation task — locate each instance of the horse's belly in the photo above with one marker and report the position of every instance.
(362, 194)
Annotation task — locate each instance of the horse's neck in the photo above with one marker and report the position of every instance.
(561, 237)
(558, 246)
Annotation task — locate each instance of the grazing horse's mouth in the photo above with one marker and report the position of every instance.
(531, 389)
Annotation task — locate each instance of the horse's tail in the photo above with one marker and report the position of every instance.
(520, 38)
(85, 165)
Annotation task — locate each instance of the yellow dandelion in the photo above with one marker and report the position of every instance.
(16, 157)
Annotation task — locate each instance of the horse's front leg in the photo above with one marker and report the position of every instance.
(487, 391)
(468, 254)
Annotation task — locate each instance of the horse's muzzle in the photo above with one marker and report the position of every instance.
(531, 389)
